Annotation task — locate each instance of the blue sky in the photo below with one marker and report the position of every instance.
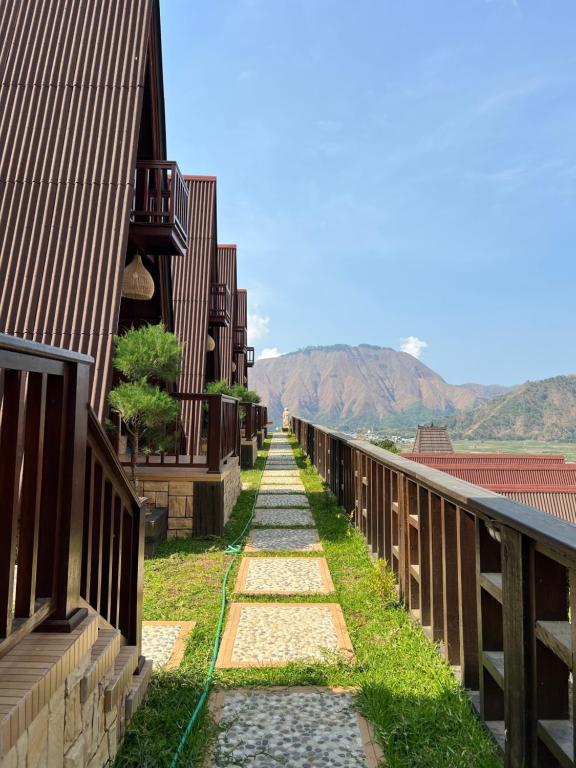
(389, 169)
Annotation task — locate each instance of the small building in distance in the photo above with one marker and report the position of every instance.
(432, 439)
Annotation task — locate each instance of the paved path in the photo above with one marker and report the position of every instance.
(307, 727)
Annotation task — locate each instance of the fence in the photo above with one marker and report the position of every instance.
(207, 434)
(492, 581)
(44, 441)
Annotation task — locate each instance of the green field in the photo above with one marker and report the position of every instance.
(515, 446)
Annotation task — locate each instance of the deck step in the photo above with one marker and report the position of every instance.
(104, 652)
(124, 666)
(138, 688)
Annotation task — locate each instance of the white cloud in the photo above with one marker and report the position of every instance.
(257, 328)
(412, 345)
(269, 352)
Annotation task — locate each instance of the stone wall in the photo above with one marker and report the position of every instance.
(76, 723)
(198, 504)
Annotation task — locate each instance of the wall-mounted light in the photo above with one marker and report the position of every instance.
(137, 283)
(210, 344)
(233, 367)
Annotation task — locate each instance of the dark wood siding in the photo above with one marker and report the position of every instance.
(227, 274)
(71, 83)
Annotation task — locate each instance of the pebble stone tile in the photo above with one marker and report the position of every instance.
(283, 540)
(262, 729)
(282, 486)
(158, 643)
(275, 489)
(284, 575)
(282, 500)
(283, 517)
(283, 633)
(279, 480)
(292, 473)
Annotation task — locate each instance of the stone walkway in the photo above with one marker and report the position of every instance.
(297, 727)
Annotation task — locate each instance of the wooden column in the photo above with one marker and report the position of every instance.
(515, 615)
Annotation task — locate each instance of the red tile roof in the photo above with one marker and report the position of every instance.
(543, 482)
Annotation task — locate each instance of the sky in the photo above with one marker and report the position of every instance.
(394, 172)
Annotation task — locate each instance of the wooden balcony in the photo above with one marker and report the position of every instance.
(220, 305)
(249, 357)
(52, 552)
(159, 218)
(207, 434)
(240, 340)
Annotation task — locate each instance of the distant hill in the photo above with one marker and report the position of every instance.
(364, 386)
(536, 410)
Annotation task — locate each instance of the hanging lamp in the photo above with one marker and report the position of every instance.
(137, 282)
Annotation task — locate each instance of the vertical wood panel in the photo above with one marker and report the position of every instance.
(468, 619)
(11, 448)
(31, 495)
(450, 582)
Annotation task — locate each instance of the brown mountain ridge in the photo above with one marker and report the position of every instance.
(362, 386)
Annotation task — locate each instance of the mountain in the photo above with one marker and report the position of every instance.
(363, 386)
(536, 410)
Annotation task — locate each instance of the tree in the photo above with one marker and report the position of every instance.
(235, 390)
(149, 353)
(388, 445)
(147, 357)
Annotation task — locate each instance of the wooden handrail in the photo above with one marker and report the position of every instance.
(75, 529)
(208, 430)
(43, 396)
(113, 537)
(491, 580)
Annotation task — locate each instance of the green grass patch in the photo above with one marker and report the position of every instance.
(516, 446)
(405, 689)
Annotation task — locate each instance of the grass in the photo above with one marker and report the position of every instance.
(421, 716)
(516, 446)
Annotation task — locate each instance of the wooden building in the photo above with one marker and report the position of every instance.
(87, 198)
(432, 439)
(86, 184)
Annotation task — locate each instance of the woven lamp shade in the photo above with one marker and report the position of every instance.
(137, 282)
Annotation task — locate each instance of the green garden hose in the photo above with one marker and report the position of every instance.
(234, 549)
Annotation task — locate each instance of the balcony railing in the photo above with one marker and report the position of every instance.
(207, 435)
(249, 357)
(261, 418)
(240, 339)
(159, 218)
(249, 426)
(113, 538)
(220, 305)
(492, 581)
(46, 488)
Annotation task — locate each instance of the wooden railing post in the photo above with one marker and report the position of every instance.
(468, 619)
(68, 560)
(515, 616)
(450, 583)
(214, 432)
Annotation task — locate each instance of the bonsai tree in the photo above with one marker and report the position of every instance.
(147, 357)
(235, 390)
